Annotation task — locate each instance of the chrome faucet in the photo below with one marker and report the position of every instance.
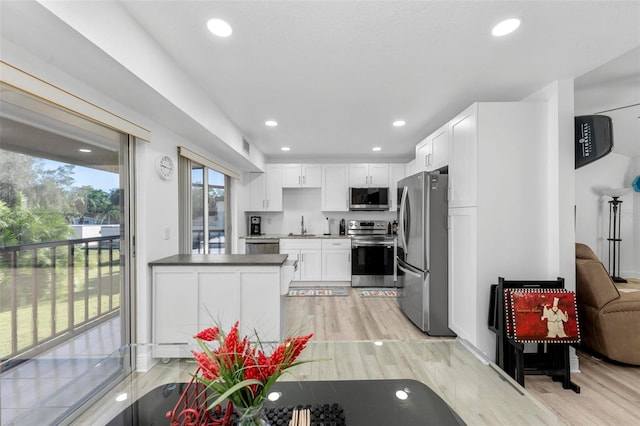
(302, 230)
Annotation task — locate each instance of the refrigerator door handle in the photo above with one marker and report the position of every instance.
(409, 271)
(403, 207)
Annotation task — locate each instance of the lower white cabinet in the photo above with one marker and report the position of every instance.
(187, 299)
(308, 253)
(463, 291)
(319, 259)
(336, 259)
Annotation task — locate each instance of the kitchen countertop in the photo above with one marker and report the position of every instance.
(280, 236)
(221, 260)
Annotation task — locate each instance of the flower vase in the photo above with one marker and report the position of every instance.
(251, 416)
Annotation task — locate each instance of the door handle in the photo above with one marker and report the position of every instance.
(409, 272)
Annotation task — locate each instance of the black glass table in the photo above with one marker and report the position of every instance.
(364, 402)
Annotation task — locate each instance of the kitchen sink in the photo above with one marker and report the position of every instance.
(291, 234)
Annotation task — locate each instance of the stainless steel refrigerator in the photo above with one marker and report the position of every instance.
(423, 251)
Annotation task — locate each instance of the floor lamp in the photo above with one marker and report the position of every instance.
(614, 232)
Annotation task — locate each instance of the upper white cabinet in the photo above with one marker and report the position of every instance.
(433, 152)
(368, 175)
(423, 153)
(396, 172)
(265, 189)
(463, 166)
(301, 175)
(439, 148)
(334, 192)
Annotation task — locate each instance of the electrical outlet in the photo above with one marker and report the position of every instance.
(167, 233)
(268, 221)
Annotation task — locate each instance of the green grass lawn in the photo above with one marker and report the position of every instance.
(44, 320)
(86, 281)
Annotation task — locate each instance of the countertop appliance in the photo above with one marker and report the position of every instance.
(423, 251)
(262, 246)
(373, 254)
(368, 199)
(255, 225)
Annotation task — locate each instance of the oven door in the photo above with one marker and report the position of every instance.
(372, 264)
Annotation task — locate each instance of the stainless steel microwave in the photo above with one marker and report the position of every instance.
(368, 199)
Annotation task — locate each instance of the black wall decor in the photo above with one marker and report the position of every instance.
(593, 138)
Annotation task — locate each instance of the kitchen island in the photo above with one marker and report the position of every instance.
(192, 292)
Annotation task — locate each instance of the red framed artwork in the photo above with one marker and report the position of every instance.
(542, 315)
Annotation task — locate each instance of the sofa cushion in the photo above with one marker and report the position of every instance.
(594, 287)
(583, 251)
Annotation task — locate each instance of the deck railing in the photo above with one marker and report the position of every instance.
(51, 291)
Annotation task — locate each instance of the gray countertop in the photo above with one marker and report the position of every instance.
(306, 236)
(221, 260)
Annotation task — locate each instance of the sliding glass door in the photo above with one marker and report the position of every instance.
(65, 233)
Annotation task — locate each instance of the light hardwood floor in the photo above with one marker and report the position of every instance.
(610, 393)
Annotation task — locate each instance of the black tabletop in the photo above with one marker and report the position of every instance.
(364, 402)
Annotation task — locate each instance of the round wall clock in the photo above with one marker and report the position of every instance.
(165, 167)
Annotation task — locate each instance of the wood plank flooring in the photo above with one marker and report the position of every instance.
(610, 393)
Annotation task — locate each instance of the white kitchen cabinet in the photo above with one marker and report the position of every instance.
(336, 259)
(463, 167)
(423, 153)
(440, 141)
(301, 175)
(498, 209)
(308, 252)
(188, 298)
(432, 153)
(396, 172)
(265, 189)
(463, 257)
(334, 192)
(369, 175)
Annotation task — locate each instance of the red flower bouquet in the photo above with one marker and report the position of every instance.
(237, 370)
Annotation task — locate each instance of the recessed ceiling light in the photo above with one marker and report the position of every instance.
(271, 123)
(285, 148)
(219, 27)
(399, 123)
(376, 148)
(84, 150)
(121, 397)
(506, 27)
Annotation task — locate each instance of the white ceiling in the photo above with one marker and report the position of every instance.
(335, 74)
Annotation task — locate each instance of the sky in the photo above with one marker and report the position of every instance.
(105, 181)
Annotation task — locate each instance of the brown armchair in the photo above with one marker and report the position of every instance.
(609, 319)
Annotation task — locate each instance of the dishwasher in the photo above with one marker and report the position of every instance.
(262, 246)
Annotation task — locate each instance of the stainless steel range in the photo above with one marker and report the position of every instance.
(373, 254)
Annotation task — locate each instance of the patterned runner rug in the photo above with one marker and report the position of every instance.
(317, 291)
(378, 292)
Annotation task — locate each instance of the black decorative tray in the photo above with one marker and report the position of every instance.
(321, 414)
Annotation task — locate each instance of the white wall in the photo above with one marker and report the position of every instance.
(592, 209)
(560, 182)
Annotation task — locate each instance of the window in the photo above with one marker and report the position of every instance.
(204, 201)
